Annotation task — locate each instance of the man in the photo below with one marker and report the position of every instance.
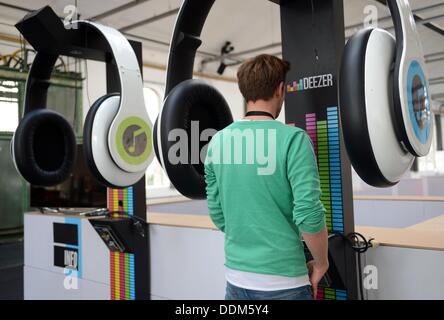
(263, 192)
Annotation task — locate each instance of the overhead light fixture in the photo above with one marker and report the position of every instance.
(226, 49)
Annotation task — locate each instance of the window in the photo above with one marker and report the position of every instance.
(157, 182)
(9, 105)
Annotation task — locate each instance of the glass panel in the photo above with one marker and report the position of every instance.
(9, 105)
(155, 176)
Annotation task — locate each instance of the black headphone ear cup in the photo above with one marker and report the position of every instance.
(155, 142)
(366, 102)
(191, 100)
(44, 148)
(87, 139)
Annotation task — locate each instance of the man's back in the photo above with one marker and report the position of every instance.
(263, 191)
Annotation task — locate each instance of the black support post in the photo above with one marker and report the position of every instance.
(312, 41)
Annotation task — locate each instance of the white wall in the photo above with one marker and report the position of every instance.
(406, 274)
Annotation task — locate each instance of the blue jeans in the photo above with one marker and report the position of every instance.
(236, 293)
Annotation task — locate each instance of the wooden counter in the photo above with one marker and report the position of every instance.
(405, 237)
(181, 220)
(428, 235)
(434, 224)
(400, 198)
(166, 200)
(179, 198)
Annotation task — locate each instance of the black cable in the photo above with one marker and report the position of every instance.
(361, 289)
(359, 244)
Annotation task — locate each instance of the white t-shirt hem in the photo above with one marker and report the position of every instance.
(264, 282)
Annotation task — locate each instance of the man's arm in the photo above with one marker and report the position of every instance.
(318, 246)
(214, 206)
(308, 212)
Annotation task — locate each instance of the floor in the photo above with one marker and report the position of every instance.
(11, 269)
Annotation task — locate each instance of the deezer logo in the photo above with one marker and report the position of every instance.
(308, 83)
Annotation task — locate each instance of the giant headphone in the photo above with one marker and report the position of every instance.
(117, 137)
(188, 100)
(385, 99)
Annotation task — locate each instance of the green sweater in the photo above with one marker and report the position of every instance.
(263, 190)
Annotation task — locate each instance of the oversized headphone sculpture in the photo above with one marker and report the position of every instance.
(188, 100)
(117, 134)
(385, 99)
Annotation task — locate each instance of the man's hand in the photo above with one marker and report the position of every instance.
(316, 271)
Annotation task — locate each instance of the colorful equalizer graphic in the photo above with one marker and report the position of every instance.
(331, 294)
(325, 137)
(295, 86)
(121, 202)
(122, 278)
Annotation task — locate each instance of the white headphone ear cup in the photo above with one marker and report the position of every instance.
(392, 159)
(366, 96)
(106, 167)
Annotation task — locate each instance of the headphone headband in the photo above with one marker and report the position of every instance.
(37, 83)
(412, 112)
(125, 60)
(123, 55)
(186, 41)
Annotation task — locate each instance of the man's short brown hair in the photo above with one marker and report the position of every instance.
(259, 77)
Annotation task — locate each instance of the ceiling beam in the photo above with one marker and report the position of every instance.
(389, 17)
(118, 9)
(140, 38)
(12, 6)
(436, 81)
(150, 20)
(425, 23)
(165, 44)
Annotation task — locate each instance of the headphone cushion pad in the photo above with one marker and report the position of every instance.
(191, 100)
(44, 147)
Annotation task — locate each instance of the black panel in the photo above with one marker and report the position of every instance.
(336, 275)
(117, 233)
(312, 41)
(65, 233)
(138, 245)
(79, 190)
